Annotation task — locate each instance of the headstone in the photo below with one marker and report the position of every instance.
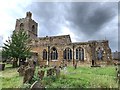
(34, 62)
(31, 64)
(49, 72)
(29, 73)
(53, 71)
(57, 72)
(41, 74)
(2, 66)
(76, 64)
(61, 67)
(21, 70)
(65, 70)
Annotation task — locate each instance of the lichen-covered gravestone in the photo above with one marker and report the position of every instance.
(29, 73)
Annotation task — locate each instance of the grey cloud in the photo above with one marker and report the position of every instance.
(84, 17)
(90, 17)
(49, 16)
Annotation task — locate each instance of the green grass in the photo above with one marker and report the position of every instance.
(85, 77)
(10, 78)
(82, 77)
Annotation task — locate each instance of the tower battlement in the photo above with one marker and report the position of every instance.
(28, 25)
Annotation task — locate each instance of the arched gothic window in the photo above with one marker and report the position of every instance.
(44, 54)
(99, 54)
(80, 54)
(54, 54)
(67, 54)
(21, 26)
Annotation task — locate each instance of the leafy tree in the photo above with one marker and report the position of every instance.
(17, 47)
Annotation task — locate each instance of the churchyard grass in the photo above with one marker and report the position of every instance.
(9, 78)
(86, 77)
(82, 77)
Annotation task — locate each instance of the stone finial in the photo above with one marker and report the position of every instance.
(28, 15)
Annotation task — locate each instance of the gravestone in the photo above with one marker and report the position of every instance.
(57, 72)
(2, 66)
(41, 74)
(65, 69)
(61, 67)
(49, 72)
(75, 66)
(53, 71)
(29, 73)
(31, 64)
(21, 70)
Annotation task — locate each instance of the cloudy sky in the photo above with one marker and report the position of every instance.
(84, 21)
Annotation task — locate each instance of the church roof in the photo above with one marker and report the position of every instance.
(62, 39)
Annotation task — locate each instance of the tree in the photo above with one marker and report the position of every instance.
(17, 47)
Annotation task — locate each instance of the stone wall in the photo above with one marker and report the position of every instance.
(85, 45)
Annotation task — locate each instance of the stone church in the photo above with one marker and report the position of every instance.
(55, 50)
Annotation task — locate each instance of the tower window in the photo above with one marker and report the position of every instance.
(21, 26)
(33, 28)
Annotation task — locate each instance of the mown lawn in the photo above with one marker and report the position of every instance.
(82, 77)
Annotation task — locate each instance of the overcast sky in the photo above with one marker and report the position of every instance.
(84, 21)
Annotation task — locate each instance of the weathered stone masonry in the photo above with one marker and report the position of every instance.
(54, 50)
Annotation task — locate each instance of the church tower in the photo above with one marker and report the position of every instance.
(28, 25)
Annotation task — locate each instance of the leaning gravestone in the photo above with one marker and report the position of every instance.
(21, 70)
(31, 64)
(29, 73)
